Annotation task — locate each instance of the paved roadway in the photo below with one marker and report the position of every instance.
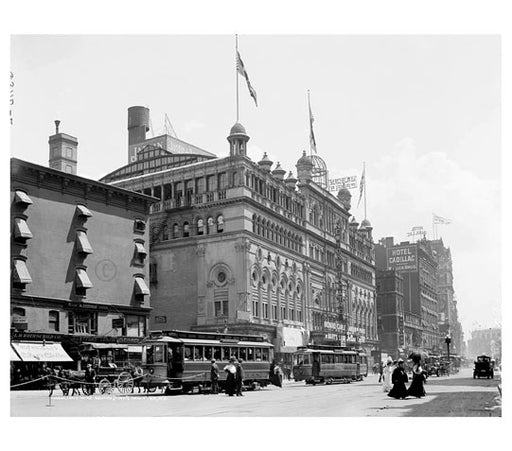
(457, 395)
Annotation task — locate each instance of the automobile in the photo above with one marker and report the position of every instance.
(483, 367)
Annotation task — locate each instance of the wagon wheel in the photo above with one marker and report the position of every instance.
(124, 382)
(105, 387)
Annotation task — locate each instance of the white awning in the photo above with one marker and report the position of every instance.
(82, 210)
(22, 198)
(21, 274)
(14, 356)
(41, 352)
(139, 247)
(21, 229)
(140, 286)
(105, 345)
(82, 279)
(82, 243)
(135, 349)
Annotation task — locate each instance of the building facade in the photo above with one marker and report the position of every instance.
(485, 341)
(79, 259)
(236, 245)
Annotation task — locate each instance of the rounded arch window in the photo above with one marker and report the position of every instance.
(264, 279)
(186, 229)
(200, 227)
(175, 231)
(220, 224)
(209, 225)
(221, 277)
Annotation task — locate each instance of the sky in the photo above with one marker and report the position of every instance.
(422, 111)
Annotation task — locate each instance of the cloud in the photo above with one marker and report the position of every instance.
(405, 188)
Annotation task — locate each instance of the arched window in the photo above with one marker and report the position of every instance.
(220, 224)
(254, 223)
(53, 320)
(209, 225)
(200, 227)
(165, 233)
(175, 231)
(186, 229)
(18, 312)
(258, 225)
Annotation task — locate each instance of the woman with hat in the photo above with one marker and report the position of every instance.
(399, 378)
(230, 369)
(418, 378)
(386, 374)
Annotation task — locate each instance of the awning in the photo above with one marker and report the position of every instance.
(21, 274)
(140, 286)
(135, 349)
(41, 352)
(82, 210)
(139, 247)
(105, 345)
(14, 357)
(82, 243)
(82, 279)
(22, 198)
(292, 337)
(21, 229)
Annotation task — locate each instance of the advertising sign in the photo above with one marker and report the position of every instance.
(403, 258)
(349, 182)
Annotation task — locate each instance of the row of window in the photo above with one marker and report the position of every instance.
(276, 233)
(262, 310)
(185, 230)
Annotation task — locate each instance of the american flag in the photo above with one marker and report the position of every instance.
(241, 70)
(312, 141)
(440, 220)
(361, 187)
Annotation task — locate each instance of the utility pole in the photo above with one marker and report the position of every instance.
(448, 340)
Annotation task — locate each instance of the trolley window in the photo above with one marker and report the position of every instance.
(208, 353)
(155, 354)
(257, 354)
(198, 353)
(327, 358)
(188, 352)
(243, 354)
(225, 353)
(234, 352)
(265, 355)
(217, 353)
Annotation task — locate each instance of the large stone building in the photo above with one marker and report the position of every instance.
(242, 246)
(418, 268)
(79, 258)
(485, 341)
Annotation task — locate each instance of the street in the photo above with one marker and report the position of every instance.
(449, 396)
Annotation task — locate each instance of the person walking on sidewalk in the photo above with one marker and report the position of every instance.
(239, 377)
(214, 377)
(386, 375)
(399, 378)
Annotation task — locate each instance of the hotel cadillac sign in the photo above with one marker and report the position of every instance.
(403, 258)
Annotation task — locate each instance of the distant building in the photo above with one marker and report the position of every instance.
(418, 268)
(241, 246)
(485, 341)
(79, 259)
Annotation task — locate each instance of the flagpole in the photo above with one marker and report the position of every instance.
(236, 70)
(309, 112)
(365, 177)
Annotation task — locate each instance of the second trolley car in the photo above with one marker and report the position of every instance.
(326, 364)
(180, 361)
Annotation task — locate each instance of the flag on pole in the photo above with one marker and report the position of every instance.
(241, 70)
(362, 187)
(440, 220)
(312, 141)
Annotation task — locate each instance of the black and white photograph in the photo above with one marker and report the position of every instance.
(233, 224)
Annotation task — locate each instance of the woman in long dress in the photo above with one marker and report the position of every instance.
(418, 378)
(399, 378)
(386, 375)
(230, 369)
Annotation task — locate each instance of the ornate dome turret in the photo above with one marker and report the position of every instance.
(304, 168)
(279, 172)
(266, 163)
(238, 140)
(365, 224)
(354, 223)
(290, 181)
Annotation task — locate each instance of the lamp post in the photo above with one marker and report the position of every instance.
(448, 340)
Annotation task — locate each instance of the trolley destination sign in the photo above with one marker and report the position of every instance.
(403, 258)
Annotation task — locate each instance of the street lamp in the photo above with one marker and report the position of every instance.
(448, 340)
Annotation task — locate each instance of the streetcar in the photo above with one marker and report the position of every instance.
(362, 360)
(328, 364)
(180, 361)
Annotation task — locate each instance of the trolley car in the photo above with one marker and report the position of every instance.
(180, 361)
(328, 364)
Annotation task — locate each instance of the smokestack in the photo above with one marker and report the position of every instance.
(57, 123)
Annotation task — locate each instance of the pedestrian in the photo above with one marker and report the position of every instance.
(418, 378)
(239, 377)
(399, 378)
(214, 377)
(230, 369)
(381, 371)
(386, 374)
(278, 375)
(90, 379)
(138, 374)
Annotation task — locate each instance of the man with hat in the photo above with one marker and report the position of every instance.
(399, 378)
(90, 377)
(214, 377)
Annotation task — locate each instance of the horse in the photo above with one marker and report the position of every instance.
(73, 379)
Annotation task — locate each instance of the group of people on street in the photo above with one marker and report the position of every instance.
(234, 378)
(394, 377)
